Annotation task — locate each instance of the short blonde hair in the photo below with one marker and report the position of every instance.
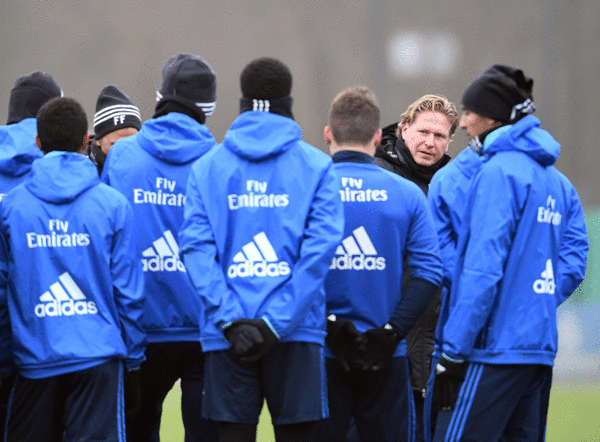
(430, 102)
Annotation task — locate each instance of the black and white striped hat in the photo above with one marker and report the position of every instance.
(114, 111)
(189, 77)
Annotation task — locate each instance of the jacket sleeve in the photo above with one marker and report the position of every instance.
(425, 266)
(128, 288)
(199, 253)
(6, 360)
(422, 247)
(446, 231)
(493, 218)
(322, 234)
(573, 249)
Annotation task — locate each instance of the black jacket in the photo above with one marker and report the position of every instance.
(94, 153)
(393, 155)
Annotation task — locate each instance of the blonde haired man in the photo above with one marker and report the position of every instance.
(416, 148)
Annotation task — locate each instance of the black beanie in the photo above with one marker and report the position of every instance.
(114, 111)
(266, 79)
(502, 93)
(189, 77)
(29, 94)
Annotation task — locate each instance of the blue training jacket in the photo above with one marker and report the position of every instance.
(151, 169)
(448, 197)
(72, 287)
(510, 260)
(17, 152)
(387, 219)
(262, 220)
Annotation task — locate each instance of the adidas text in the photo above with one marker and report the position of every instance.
(67, 308)
(160, 264)
(257, 258)
(360, 262)
(547, 284)
(357, 252)
(64, 298)
(258, 268)
(163, 255)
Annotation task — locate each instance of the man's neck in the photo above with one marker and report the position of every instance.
(367, 150)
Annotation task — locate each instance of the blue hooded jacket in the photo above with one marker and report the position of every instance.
(17, 151)
(68, 277)
(262, 219)
(507, 282)
(448, 196)
(151, 169)
(387, 219)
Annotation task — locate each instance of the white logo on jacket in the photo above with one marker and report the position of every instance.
(352, 191)
(357, 252)
(60, 302)
(164, 195)
(58, 236)
(163, 255)
(547, 214)
(257, 196)
(547, 283)
(257, 258)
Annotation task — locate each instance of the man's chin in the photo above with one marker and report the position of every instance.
(424, 160)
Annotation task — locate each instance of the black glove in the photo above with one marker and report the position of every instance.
(250, 339)
(449, 375)
(133, 393)
(381, 344)
(345, 342)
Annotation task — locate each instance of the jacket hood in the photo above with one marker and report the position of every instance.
(525, 136)
(258, 135)
(18, 149)
(175, 138)
(61, 177)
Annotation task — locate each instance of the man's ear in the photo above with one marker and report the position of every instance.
(377, 137)
(86, 140)
(328, 135)
(38, 142)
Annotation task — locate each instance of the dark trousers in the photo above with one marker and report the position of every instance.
(498, 403)
(5, 389)
(165, 363)
(82, 405)
(380, 405)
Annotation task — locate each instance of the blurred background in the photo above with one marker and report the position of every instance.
(400, 49)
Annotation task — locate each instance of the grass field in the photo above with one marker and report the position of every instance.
(574, 416)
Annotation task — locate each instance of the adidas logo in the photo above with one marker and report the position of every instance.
(357, 252)
(257, 258)
(163, 256)
(547, 283)
(61, 302)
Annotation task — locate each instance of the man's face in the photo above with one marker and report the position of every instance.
(475, 124)
(428, 137)
(106, 142)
